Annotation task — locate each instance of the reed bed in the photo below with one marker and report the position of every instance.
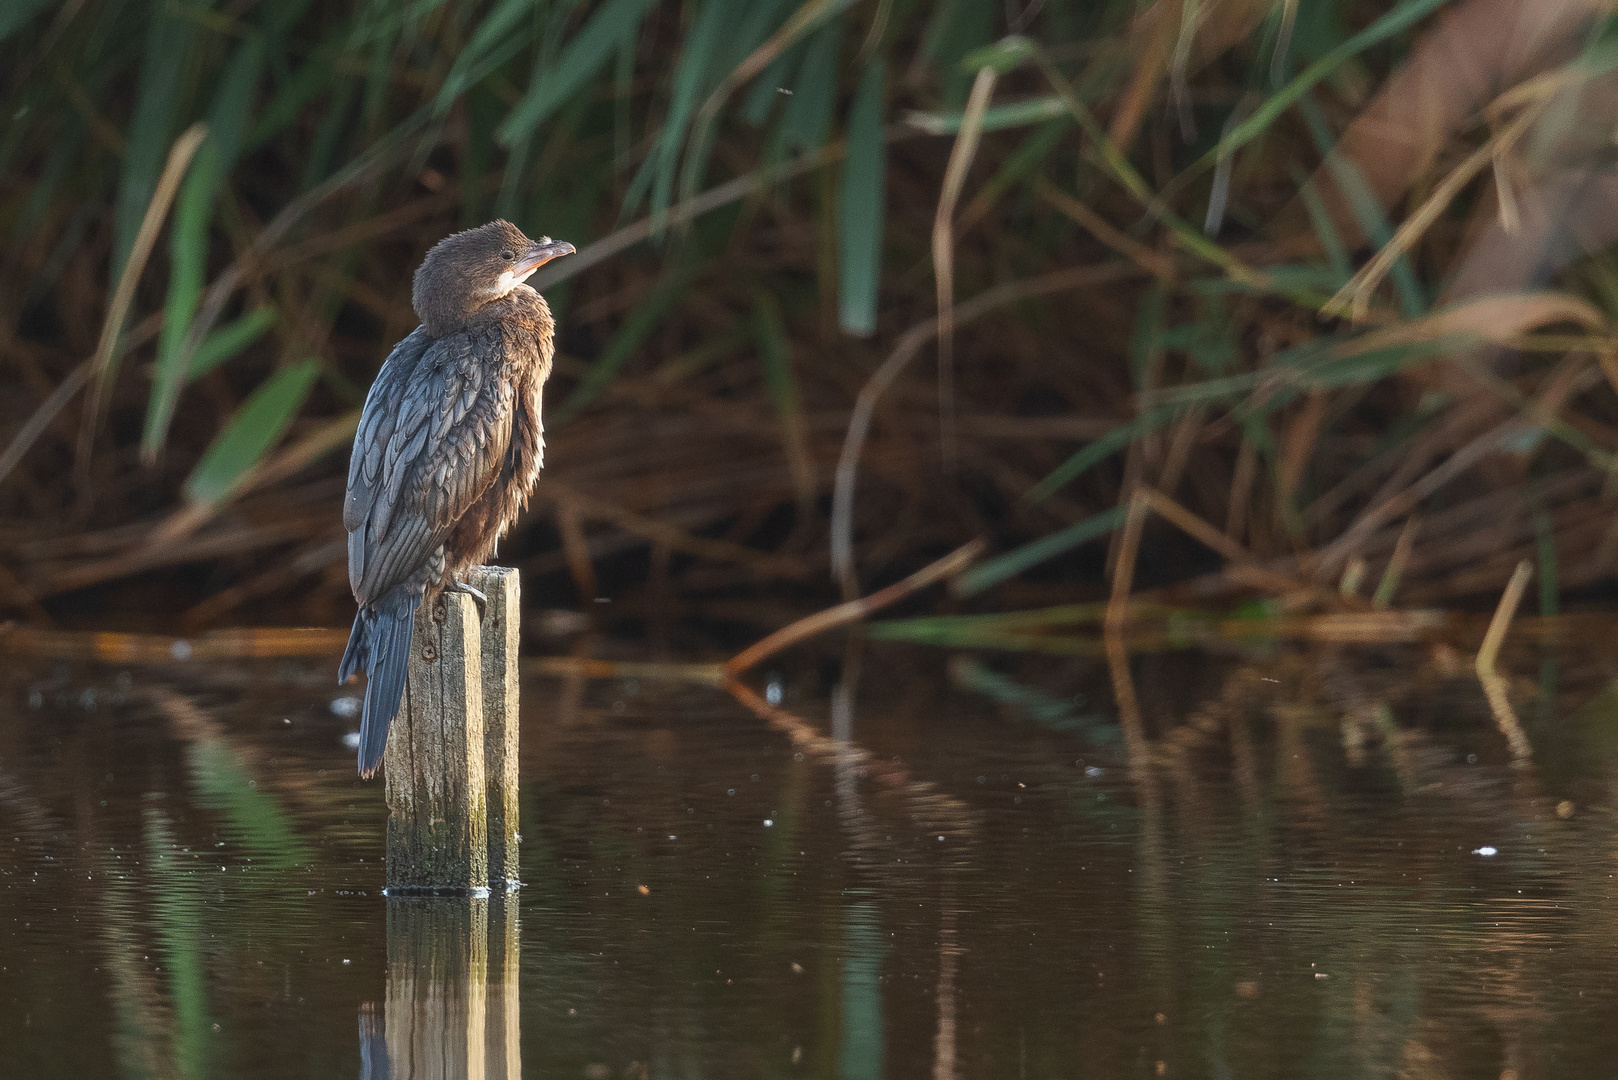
(1326, 285)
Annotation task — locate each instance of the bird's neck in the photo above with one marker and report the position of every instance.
(521, 304)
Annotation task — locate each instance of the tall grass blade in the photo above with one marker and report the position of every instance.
(807, 117)
(188, 239)
(1028, 157)
(999, 118)
(1368, 212)
(646, 317)
(14, 14)
(958, 28)
(588, 51)
(1325, 229)
(1403, 16)
(1014, 562)
(772, 86)
(1545, 553)
(495, 41)
(775, 354)
(169, 40)
(693, 74)
(104, 365)
(313, 77)
(860, 206)
(257, 426)
(229, 340)
(753, 18)
(1098, 451)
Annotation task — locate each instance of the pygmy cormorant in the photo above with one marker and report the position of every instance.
(448, 449)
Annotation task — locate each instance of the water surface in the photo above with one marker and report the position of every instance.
(908, 865)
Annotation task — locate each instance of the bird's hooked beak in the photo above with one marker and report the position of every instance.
(540, 254)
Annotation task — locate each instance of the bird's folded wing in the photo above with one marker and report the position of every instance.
(378, 421)
(431, 439)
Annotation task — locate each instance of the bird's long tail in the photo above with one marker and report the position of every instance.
(380, 643)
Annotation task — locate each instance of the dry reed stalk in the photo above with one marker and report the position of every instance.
(662, 532)
(669, 453)
(1153, 262)
(1123, 573)
(1136, 746)
(1195, 527)
(1396, 566)
(1495, 686)
(1501, 622)
(1481, 527)
(249, 264)
(1335, 553)
(1158, 25)
(1244, 571)
(118, 648)
(102, 364)
(1346, 627)
(1355, 297)
(1241, 489)
(943, 248)
(310, 560)
(1186, 430)
(905, 350)
(1353, 575)
(330, 436)
(577, 550)
(1298, 445)
(231, 541)
(690, 209)
(584, 667)
(854, 610)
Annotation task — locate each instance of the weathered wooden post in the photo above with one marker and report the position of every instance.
(451, 759)
(501, 646)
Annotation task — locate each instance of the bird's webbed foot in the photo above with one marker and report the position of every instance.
(481, 601)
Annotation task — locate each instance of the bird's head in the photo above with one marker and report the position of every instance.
(467, 270)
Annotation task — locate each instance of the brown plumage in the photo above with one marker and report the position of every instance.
(448, 448)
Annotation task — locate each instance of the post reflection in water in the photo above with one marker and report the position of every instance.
(452, 1001)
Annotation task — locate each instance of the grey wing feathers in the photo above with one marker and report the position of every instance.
(430, 439)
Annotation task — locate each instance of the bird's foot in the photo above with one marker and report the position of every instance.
(464, 589)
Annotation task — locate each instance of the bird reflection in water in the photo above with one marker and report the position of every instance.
(451, 1007)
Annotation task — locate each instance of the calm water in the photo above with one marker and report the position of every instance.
(967, 880)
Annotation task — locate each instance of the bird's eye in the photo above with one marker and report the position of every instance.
(508, 255)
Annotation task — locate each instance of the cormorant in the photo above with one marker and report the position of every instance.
(448, 448)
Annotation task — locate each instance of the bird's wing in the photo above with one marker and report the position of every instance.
(431, 438)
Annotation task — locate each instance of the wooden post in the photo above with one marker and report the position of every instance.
(436, 790)
(501, 645)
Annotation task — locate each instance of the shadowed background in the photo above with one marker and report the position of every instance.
(1332, 276)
